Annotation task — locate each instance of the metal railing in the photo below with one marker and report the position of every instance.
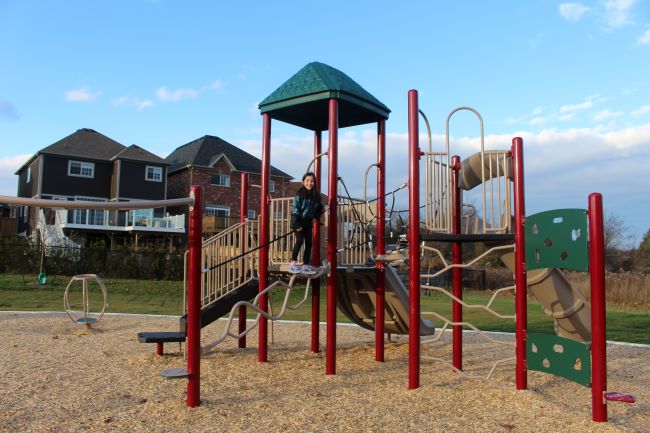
(120, 220)
(354, 218)
(497, 191)
(437, 190)
(222, 275)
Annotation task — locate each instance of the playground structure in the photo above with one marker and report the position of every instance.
(228, 270)
(85, 316)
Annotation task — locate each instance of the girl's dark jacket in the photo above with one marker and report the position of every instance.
(305, 209)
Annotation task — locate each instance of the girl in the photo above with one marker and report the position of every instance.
(306, 208)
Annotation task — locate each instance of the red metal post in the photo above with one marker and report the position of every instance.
(194, 299)
(332, 238)
(243, 213)
(315, 253)
(521, 312)
(381, 247)
(457, 273)
(159, 349)
(414, 240)
(262, 350)
(598, 328)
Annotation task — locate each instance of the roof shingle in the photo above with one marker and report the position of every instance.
(204, 151)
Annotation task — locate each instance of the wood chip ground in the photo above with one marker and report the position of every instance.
(60, 377)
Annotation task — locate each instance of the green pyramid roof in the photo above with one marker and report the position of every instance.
(303, 99)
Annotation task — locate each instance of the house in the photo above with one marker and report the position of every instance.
(7, 220)
(90, 166)
(217, 165)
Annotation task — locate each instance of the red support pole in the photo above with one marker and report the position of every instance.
(598, 328)
(243, 213)
(194, 299)
(414, 240)
(381, 246)
(262, 350)
(457, 273)
(521, 312)
(159, 349)
(315, 253)
(332, 238)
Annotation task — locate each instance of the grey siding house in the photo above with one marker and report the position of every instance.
(90, 166)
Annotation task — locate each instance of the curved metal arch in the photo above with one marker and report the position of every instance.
(480, 118)
(314, 160)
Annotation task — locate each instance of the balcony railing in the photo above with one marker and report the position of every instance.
(140, 220)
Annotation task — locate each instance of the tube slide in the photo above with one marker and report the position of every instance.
(470, 169)
(569, 310)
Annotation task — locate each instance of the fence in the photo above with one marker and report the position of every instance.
(17, 257)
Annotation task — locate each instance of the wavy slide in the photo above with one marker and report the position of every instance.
(569, 310)
(355, 298)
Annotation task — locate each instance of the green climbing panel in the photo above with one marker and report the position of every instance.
(557, 239)
(560, 357)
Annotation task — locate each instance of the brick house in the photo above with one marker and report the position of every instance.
(217, 165)
(89, 166)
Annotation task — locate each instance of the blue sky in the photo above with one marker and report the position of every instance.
(573, 79)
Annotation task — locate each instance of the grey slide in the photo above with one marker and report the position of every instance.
(571, 313)
(356, 298)
(470, 169)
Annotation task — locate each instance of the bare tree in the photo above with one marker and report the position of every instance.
(616, 232)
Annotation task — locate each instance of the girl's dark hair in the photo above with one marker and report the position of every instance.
(304, 192)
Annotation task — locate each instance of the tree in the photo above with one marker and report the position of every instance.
(616, 232)
(617, 257)
(643, 254)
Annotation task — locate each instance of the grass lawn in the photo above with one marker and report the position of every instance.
(165, 297)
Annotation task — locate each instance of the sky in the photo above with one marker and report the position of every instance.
(572, 79)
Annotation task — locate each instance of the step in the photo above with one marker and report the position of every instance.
(175, 373)
(161, 337)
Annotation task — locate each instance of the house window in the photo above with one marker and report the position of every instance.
(81, 169)
(221, 215)
(95, 217)
(29, 174)
(250, 214)
(142, 217)
(220, 180)
(271, 186)
(153, 174)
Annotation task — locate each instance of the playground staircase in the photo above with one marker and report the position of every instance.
(228, 276)
(224, 305)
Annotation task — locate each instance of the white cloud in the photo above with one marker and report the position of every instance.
(176, 95)
(83, 94)
(606, 114)
(573, 11)
(121, 101)
(8, 111)
(641, 111)
(216, 85)
(576, 107)
(566, 117)
(644, 39)
(142, 104)
(8, 166)
(618, 12)
(537, 121)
